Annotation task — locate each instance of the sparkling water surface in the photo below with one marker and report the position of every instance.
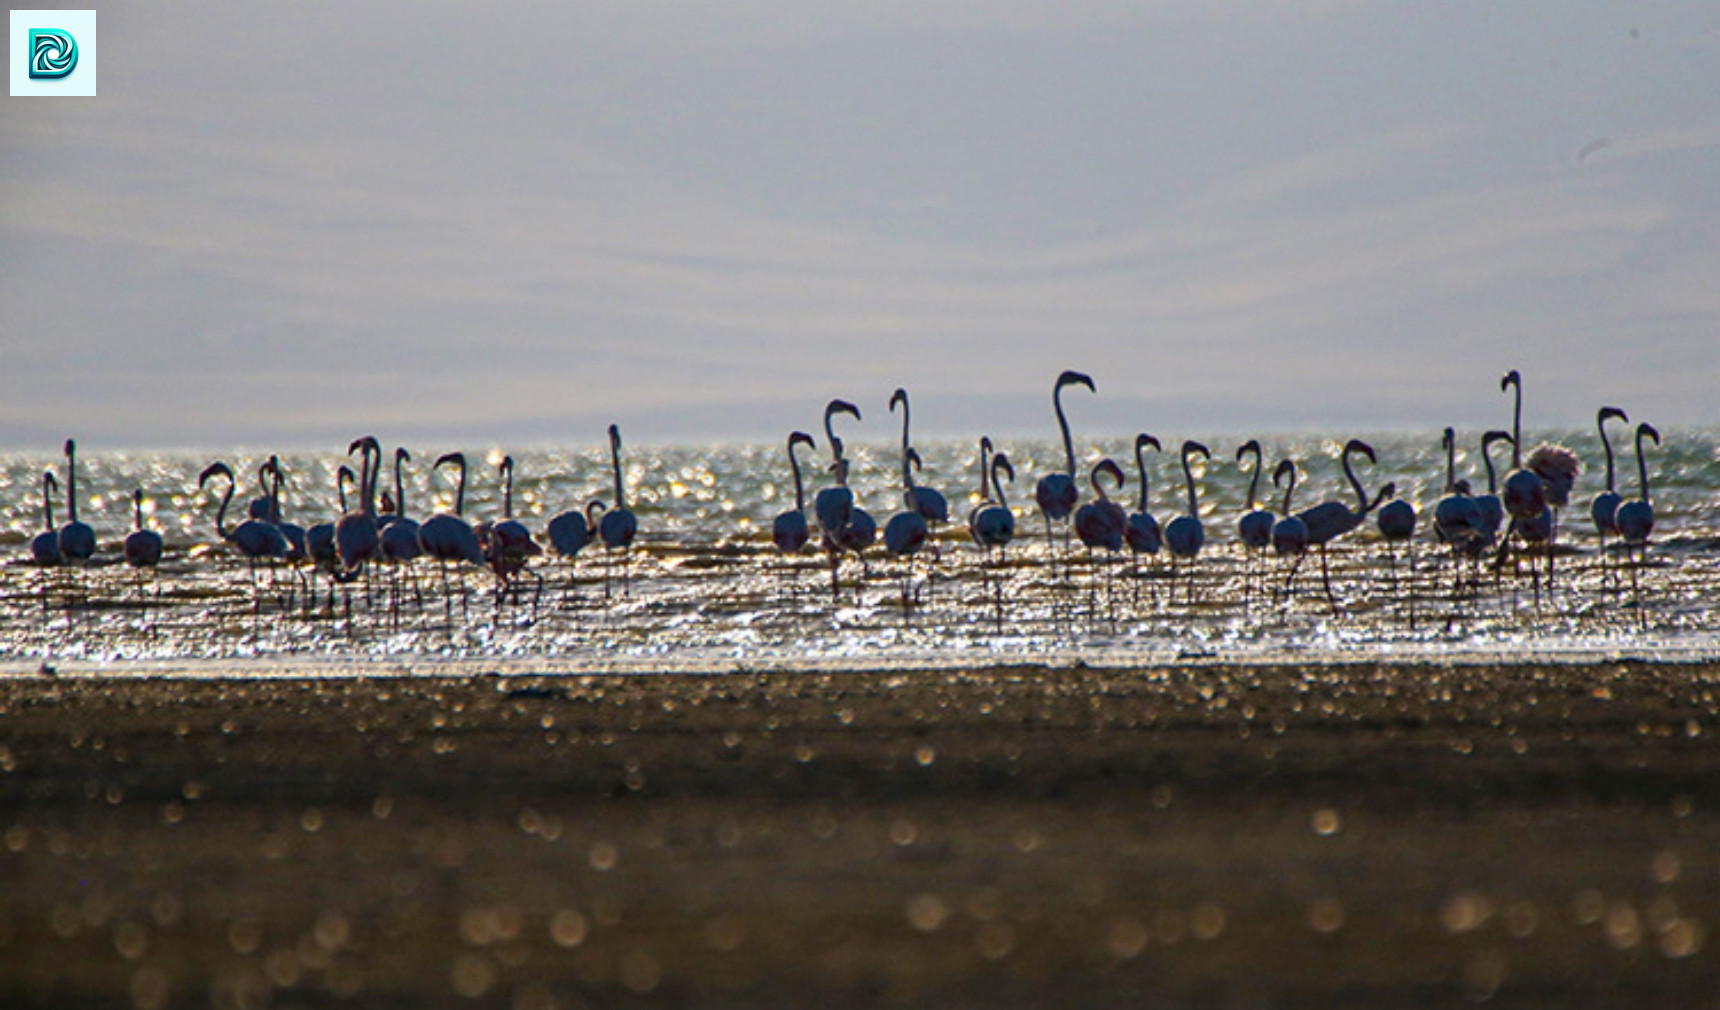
(705, 588)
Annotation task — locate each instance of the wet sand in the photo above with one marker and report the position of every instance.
(1199, 834)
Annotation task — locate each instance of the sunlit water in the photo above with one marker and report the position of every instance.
(704, 588)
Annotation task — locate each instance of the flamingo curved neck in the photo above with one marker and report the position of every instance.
(137, 510)
(1361, 493)
(48, 501)
(1517, 427)
(615, 465)
(460, 489)
(1641, 467)
(984, 470)
(71, 484)
(221, 513)
(1606, 447)
(1289, 491)
(1188, 475)
(1063, 426)
(799, 489)
(399, 489)
(1141, 465)
(508, 494)
(1254, 481)
(997, 487)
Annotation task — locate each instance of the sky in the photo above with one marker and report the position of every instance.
(292, 223)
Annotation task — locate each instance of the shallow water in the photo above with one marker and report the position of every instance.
(705, 588)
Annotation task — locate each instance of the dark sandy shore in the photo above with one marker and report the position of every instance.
(1203, 835)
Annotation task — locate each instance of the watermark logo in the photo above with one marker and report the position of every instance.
(53, 53)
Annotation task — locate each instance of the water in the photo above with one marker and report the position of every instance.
(707, 590)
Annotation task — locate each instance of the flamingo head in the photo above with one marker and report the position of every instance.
(71, 448)
(1252, 445)
(216, 469)
(1357, 445)
(1143, 440)
(1610, 412)
(1449, 439)
(1192, 447)
(53, 483)
(402, 456)
(1286, 468)
(615, 435)
(913, 458)
(368, 444)
(899, 396)
(450, 457)
(1072, 378)
(1101, 468)
(801, 438)
(1511, 379)
(835, 407)
(1648, 430)
(1495, 436)
(1001, 462)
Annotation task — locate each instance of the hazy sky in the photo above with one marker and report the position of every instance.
(291, 223)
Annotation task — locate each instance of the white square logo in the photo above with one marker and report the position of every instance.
(53, 53)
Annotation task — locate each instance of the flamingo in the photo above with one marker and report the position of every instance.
(1525, 493)
(906, 531)
(1492, 509)
(142, 546)
(1636, 517)
(1290, 533)
(993, 523)
(928, 502)
(1142, 531)
(1100, 523)
(789, 530)
(1185, 535)
(357, 535)
(834, 505)
(77, 539)
(1254, 529)
(1330, 520)
(320, 546)
(399, 534)
(1396, 521)
(45, 548)
(1056, 493)
(511, 546)
(294, 533)
(1457, 518)
(1603, 510)
(448, 537)
(255, 539)
(984, 498)
(619, 525)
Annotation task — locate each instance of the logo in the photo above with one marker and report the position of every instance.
(53, 53)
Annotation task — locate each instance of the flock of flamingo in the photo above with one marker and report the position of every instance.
(1515, 519)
